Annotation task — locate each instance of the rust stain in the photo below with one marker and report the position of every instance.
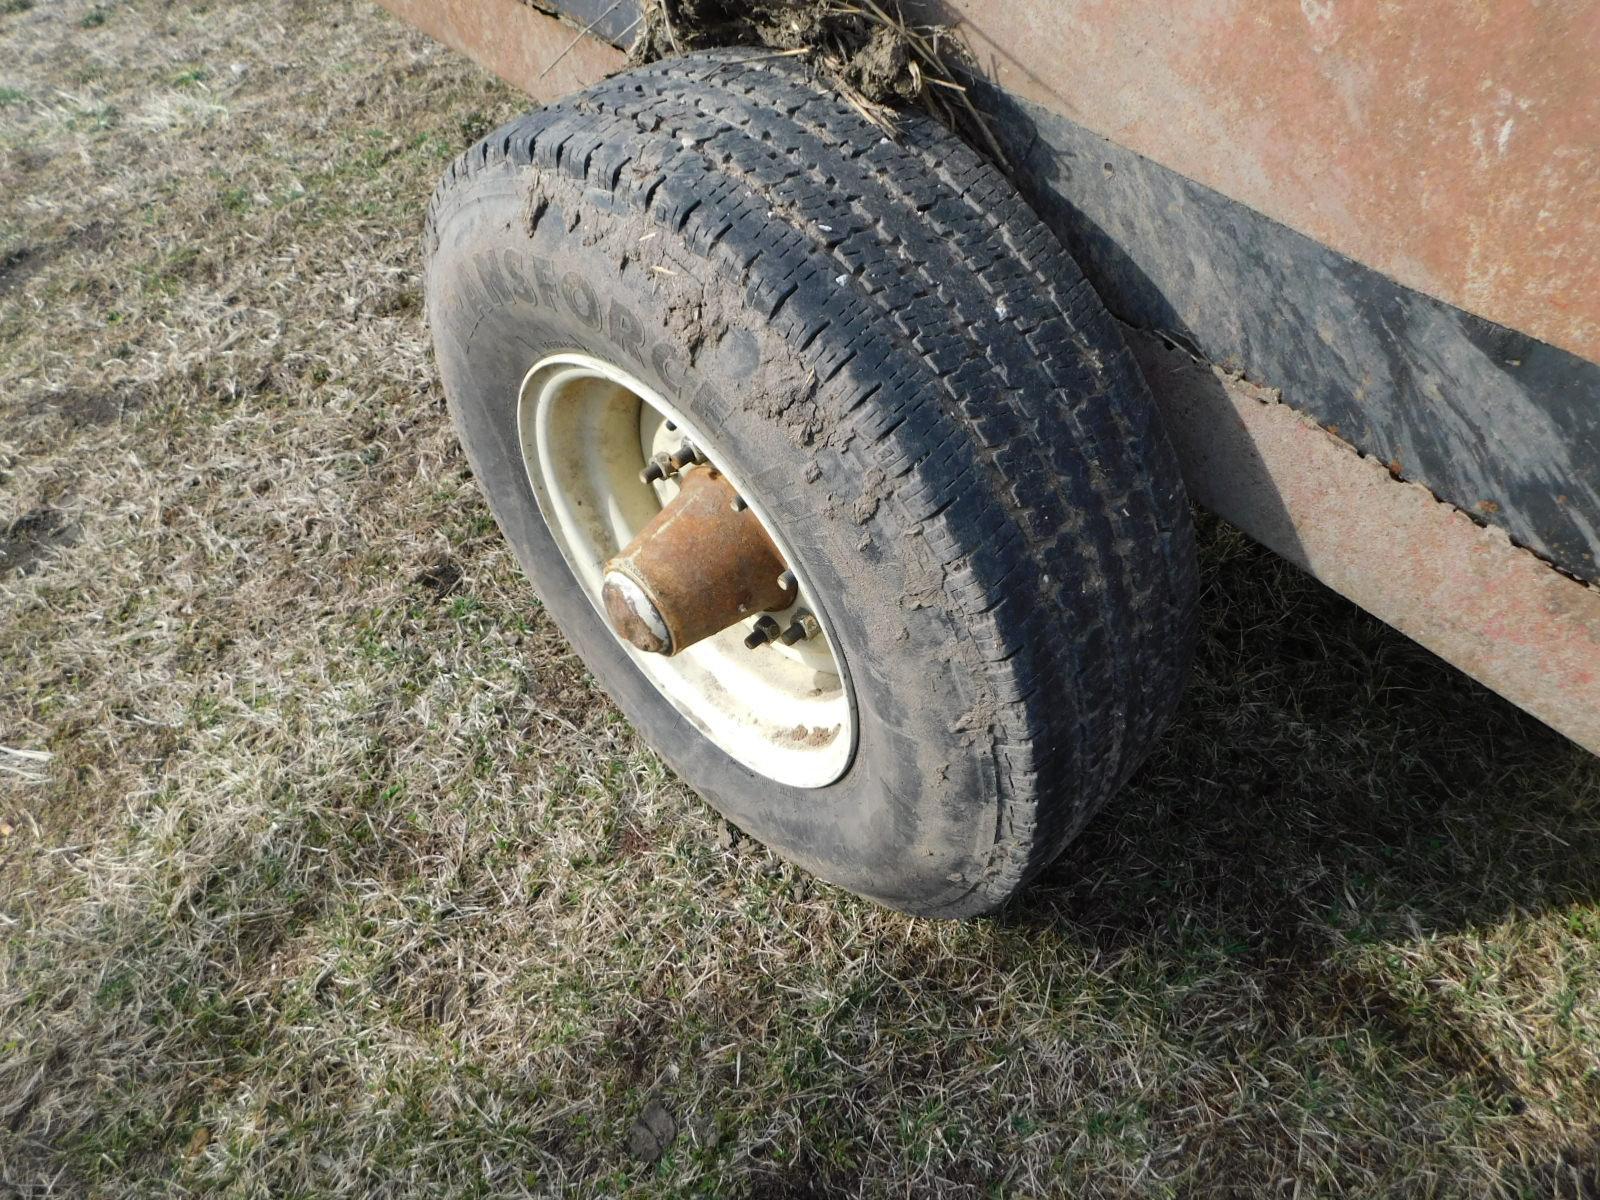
(802, 735)
(1461, 589)
(702, 566)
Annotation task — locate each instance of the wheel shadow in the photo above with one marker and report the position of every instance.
(1325, 773)
(1327, 777)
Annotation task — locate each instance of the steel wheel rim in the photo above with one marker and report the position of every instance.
(587, 427)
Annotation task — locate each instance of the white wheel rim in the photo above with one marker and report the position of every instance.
(587, 429)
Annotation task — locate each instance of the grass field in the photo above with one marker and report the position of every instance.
(341, 876)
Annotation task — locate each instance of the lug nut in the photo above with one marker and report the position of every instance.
(766, 629)
(804, 626)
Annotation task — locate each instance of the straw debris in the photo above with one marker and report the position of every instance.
(877, 60)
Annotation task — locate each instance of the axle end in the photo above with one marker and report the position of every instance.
(634, 616)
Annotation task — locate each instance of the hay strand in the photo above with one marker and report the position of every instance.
(879, 62)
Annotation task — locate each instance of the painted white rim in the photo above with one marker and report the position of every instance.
(587, 429)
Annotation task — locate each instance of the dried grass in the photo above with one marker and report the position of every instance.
(341, 877)
(876, 59)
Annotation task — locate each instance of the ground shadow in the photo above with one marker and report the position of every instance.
(1326, 770)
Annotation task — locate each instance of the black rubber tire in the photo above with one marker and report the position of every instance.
(930, 403)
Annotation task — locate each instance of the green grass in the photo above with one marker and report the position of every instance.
(343, 877)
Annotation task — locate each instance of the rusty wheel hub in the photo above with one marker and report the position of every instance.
(702, 565)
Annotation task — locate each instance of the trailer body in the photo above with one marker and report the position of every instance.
(1356, 253)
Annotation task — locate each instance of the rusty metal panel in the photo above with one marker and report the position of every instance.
(1449, 144)
(1497, 422)
(528, 49)
(1460, 589)
(1453, 145)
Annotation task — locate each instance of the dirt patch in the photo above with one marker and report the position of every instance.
(24, 542)
(18, 266)
(441, 577)
(84, 408)
(652, 1133)
(802, 735)
(90, 236)
(21, 263)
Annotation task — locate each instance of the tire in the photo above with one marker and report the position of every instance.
(929, 402)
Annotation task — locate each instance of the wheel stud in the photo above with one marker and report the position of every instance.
(804, 626)
(683, 456)
(787, 581)
(766, 629)
(658, 467)
(739, 504)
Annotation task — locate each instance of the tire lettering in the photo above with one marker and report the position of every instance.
(708, 400)
(490, 282)
(663, 354)
(500, 277)
(546, 280)
(581, 300)
(518, 273)
(626, 330)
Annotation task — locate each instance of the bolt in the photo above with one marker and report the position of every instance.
(787, 581)
(659, 467)
(766, 629)
(740, 504)
(805, 626)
